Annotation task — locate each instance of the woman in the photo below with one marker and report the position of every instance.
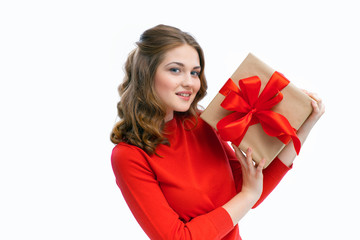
(180, 180)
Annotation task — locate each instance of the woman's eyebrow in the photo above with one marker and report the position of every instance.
(182, 65)
(177, 63)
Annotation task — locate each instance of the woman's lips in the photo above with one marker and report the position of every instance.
(184, 95)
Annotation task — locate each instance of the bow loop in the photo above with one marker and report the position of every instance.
(269, 103)
(250, 87)
(235, 102)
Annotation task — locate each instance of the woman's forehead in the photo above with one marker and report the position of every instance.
(184, 54)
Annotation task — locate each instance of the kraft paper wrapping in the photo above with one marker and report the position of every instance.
(295, 106)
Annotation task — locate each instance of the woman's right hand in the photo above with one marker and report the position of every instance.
(252, 186)
(252, 176)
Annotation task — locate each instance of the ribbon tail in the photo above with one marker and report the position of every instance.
(284, 138)
(297, 143)
(276, 125)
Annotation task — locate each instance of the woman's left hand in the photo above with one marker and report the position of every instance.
(288, 154)
(318, 107)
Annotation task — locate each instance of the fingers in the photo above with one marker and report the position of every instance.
(239, 155)
(316, 100)
(249, 156)
(315, 106)
(260, 166)
(238, 152)
(312, 95)
(247, 161)
(317, 103)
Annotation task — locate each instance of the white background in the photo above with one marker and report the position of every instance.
(61, 63)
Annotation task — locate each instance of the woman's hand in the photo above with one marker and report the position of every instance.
(288, 154)
(252, 175)
(318, 107)
(252, 186)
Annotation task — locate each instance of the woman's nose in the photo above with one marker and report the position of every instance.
(188, 80)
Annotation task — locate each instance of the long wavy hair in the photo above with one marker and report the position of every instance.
(140, 110)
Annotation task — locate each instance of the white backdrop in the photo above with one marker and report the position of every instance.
(61, 63)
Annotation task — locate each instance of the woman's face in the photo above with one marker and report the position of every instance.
(177, 79)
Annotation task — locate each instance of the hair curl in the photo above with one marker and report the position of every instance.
(140, 110)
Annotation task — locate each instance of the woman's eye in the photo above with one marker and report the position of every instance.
(174, 70)
(195, 73)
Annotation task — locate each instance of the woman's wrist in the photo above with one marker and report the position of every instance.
(240, 204)
(250, 195)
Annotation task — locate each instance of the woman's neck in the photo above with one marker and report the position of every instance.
(169, 116)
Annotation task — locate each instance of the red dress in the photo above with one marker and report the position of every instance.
(180, 194)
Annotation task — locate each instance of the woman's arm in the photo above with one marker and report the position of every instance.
(288, 154)
(252, 186)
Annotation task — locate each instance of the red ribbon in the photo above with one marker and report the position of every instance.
(249, 108)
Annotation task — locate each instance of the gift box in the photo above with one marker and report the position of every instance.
(258, 108)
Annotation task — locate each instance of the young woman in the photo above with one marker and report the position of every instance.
(180, 180)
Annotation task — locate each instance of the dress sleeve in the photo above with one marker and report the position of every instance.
(272, 177)
(272, 174)
(146, 201)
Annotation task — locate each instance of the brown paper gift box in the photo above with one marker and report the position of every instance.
(295, 106)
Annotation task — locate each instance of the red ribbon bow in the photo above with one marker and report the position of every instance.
(249, 108)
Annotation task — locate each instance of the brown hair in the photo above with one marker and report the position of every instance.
(140, 110)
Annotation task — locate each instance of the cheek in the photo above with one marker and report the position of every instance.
(197, 86)
(163, 85)
(162, 88)
(159, 86)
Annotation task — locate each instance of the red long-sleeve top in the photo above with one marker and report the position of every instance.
(180, 194)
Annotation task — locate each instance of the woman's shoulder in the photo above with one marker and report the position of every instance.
(129, 162)
(123, 146)
(123, 153)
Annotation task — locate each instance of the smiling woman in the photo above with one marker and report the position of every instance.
(142, 109)
(180, 180)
